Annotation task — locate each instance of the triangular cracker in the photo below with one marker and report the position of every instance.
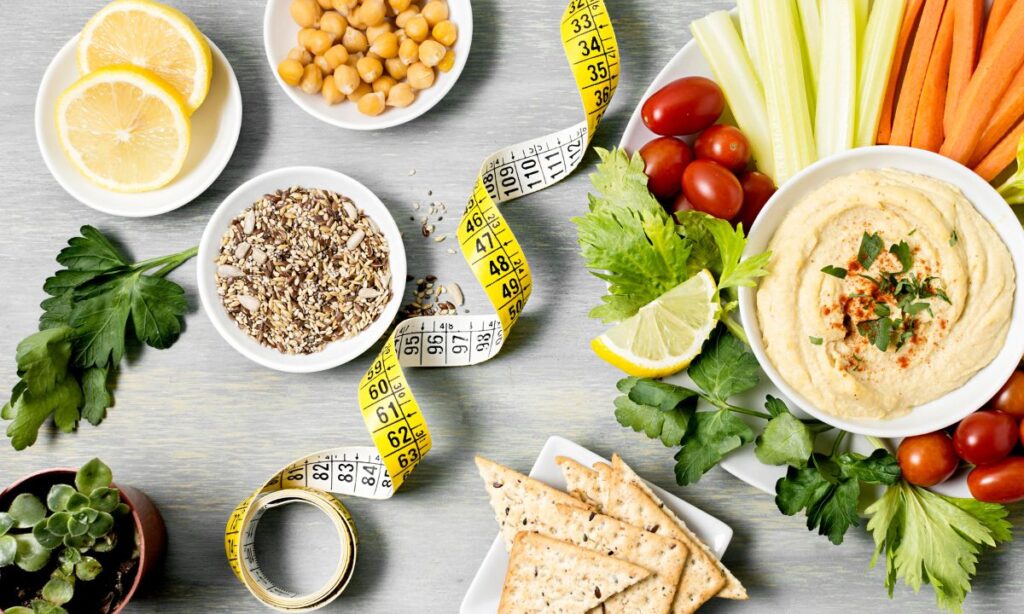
(581, 481)
(547, 575)
(517, 499)
(733, 589)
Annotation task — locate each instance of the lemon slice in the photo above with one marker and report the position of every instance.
(124, 128)
(667, 333)
(151, 36)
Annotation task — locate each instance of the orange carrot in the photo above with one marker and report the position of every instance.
(931, 108)
(1001, 156)
(967, 16)
(896, 74)
(995, 71)
(1010, 109)
(917, 67)
(996, 15)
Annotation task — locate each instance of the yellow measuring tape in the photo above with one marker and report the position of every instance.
(390, 410)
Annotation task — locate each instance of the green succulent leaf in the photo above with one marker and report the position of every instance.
(102, 525)
(105, 543)
(43, 535)
(57, 500)
(88, 569)
(77, 502)
(104, 499)
(122, 509)
(40, 606)
(30, 556)
(18, 610)
(81, 542)
(8, 550)
(94, 474)
(58, 591)
(70, 555)
(6, 523)
(27, 510)
(58, 523)
(77, 525)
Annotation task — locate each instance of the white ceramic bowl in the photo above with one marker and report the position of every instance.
(958, 403)
(280, 36)
(215, 129)
(338, 352)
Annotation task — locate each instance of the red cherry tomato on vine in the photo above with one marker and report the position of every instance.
(725, 145)
(1002, 482)
(665, 158)
(757, 189)
(711, 188)
(985, 437)
(927, 460)
(685, 106)
(1010, 398)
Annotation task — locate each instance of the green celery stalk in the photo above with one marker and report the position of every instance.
(835, 120)
(876, 59)
(722, 47)
(862, 9)
(785, 88)
(747, 10)
(810, 21)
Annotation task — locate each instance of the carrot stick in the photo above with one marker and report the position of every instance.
(931, 108)
(995, 71)
(996, 15)
(896, 74)
(917, 68)
(1002, 155)
(1010, 109)
(967, 16)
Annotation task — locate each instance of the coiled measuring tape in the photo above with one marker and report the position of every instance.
(392, 415)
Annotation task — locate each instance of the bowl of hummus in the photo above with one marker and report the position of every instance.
(894, 299)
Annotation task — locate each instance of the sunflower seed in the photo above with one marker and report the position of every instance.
(250, 303)
(241, 250)
(455, 292)
(356, 238)
(249, 223)
(229, 271)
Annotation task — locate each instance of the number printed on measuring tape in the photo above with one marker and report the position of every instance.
(389, 408)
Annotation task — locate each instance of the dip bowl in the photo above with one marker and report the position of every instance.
(957, 404)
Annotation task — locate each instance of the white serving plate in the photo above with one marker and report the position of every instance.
(338, 352)
(215, 129)
(279, 37)
(485, 591)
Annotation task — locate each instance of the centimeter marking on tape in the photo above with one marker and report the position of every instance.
(389, 409)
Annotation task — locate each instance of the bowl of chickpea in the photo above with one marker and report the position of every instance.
(367, 64)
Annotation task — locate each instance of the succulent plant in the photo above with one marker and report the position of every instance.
(75, 521)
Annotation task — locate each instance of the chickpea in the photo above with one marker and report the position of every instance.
(445, 33)
(290, 71)
(372, 12)
(330, 91)
(304, 37)
(324, 4)
(386, 45)
(354, 20)
(306, 13)
(431, 53)
(447, 62)
(370, 69)
(435, 12)
(383, 85)
(401, 95)
(374, 32)
(333, 23)
(354, 40)
(396, 68)
(318, 41)
(399, 5)
(344, 6)
(312, 79)
(301, 55)
(371, 104)
(362, 90)
(324, 66)
(409, 51)
(336, 56)
(346, 79)
(354, 58)
(404, 17)
(417, 28)
(421, 76)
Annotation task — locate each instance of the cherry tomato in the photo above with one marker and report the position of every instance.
(1011, 398)
(927, 460)
(685, 106)
(725, 145)
(665, 158)
(711, 188)
(680, 204)
(757, 189)
(985, 437)
(1022, 432)
(1002, 482)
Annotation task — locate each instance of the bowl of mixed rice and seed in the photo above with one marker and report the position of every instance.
(301, 269)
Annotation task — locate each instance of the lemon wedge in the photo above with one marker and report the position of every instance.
(124, 128)
(666, 334)
(151, 36)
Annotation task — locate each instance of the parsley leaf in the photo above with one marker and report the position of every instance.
(785, 439)
(878, 332)
(725, 368)
(834, 271)
(715, 434)
(870, 246)
(831, 505)
(879, 468)
(30, 411)
(816, 340)
(668, 426)
(665, 397)
(902, 253)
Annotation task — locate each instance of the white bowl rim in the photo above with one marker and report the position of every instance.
(392, 116)
(338, 352)
(220, 156)
(982, 386)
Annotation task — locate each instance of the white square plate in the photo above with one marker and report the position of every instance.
(485, 591)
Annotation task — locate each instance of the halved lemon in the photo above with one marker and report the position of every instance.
(666, 334)
(124, 128)
(153, 36)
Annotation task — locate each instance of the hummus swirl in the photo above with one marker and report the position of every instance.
(817, 326)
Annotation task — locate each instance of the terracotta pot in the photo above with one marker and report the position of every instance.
(149, 525)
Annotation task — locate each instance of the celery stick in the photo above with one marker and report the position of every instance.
(785, 88)
(747, 10)
(862, 9)
(724, 51)
(835, 119)
(876, 59)
(810, 21)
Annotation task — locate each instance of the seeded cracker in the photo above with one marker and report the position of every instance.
(547, 575)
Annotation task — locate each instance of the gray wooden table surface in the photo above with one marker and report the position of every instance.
(198, 426)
